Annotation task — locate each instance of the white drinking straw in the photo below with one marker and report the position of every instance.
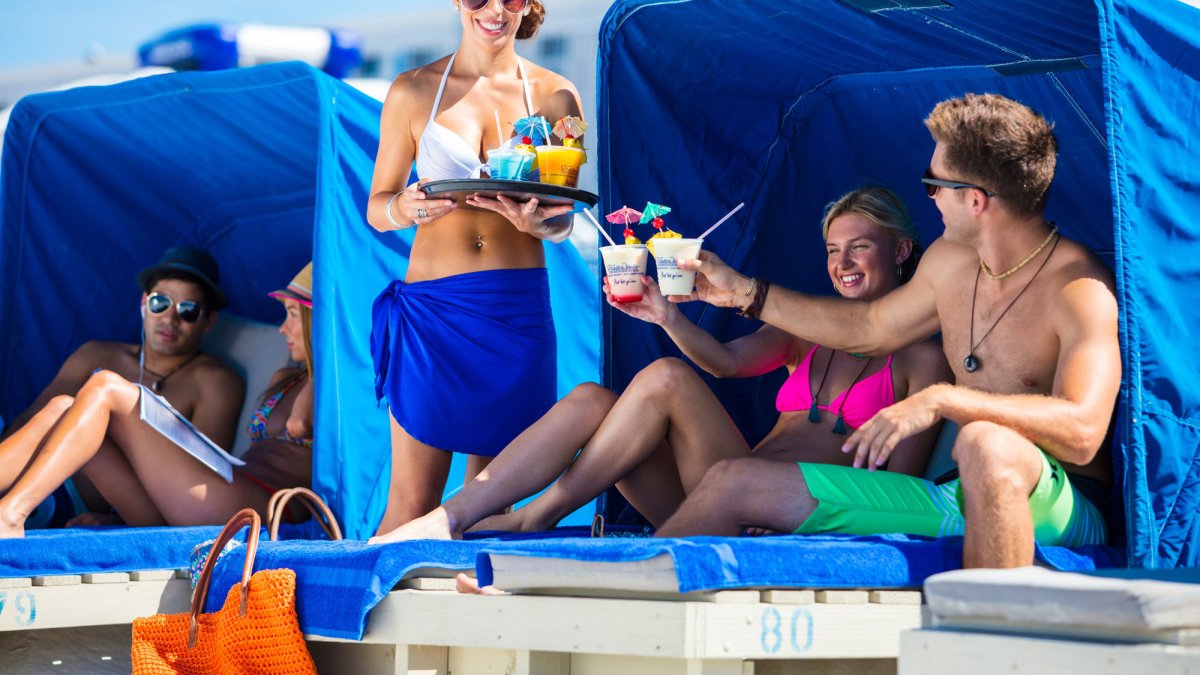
(499, 129)
(598, 226)
(718, 223)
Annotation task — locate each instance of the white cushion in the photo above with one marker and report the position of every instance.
(1034, 596)
(255, 350)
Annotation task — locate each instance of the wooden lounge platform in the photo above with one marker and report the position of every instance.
(425, 627)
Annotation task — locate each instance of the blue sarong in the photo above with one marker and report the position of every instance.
(466, 362)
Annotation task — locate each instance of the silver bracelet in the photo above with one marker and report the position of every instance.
(387, 211)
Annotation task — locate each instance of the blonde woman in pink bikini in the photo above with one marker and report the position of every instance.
(656, 441)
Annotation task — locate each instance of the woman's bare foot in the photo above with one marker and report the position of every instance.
(12, 526)
(470, 586)
(433, 525)
(514, 521)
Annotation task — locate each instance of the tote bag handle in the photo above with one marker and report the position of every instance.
(277, 507)
(200, 595)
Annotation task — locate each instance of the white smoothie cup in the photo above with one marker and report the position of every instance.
(624, 266)
(671, 279)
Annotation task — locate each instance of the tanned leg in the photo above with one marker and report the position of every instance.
(419, 475)
(114, 473)
(183, 490)
(999, 470)
(18, 450)
(740, 493)
(666, 402)
(475, 465)
(529, 463)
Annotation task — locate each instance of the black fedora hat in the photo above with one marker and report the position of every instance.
(189, 262)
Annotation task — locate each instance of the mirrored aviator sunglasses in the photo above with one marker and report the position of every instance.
(510, 6)
(189, 311)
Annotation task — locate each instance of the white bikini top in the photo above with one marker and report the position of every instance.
(443, 154)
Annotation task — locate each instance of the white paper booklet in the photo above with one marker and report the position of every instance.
(164, 418)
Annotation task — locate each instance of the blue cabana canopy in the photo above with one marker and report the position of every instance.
(786, 105)
(263, 167)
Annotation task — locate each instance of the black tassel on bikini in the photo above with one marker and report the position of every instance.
(814, 415)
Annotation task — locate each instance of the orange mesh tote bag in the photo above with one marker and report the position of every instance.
(255, 631)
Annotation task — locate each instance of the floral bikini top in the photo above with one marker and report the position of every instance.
(257, 428)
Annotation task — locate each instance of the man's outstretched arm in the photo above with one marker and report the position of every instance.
(879, 327)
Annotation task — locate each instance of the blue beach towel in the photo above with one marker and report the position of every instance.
(796, 561)
(338, 583)
(86, 550)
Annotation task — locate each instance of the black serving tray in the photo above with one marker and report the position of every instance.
(458, 189)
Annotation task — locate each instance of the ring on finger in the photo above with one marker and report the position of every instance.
(422, 213)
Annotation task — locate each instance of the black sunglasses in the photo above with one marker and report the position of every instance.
(189, 311)
(510, 6)
(932, 185)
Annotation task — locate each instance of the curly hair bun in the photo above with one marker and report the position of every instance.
(532, 21)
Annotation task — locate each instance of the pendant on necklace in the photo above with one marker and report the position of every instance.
(971, 364)
(157, 386)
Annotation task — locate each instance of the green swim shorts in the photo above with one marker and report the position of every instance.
(857, 501)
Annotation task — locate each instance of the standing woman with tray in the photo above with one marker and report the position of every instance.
(464, 346)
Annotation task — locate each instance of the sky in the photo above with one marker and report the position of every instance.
(36, 33)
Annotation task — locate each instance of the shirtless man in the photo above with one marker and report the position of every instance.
(180, 300)
(1029, 326)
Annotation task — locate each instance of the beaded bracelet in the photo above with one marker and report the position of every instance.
(387, 211)
(760, 297)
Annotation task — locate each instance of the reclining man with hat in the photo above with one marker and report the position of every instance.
(181, 295)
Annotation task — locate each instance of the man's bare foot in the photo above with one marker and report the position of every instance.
(433, 525)
(470, 586)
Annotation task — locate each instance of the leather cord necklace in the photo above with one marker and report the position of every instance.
(157, 385)
(814, 414)
(972, 363)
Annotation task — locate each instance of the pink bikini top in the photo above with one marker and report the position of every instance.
(858, 404)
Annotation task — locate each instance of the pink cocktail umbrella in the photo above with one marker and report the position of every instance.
(624, 215)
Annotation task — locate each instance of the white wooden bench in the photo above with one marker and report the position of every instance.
(426, 627)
